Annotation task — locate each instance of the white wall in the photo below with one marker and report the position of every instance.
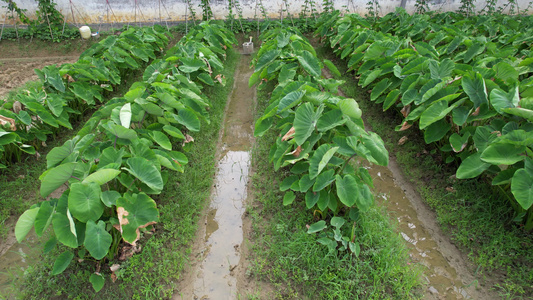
(113, 11)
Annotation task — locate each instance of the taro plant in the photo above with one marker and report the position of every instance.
(322, 137)
(466, 87)
(121, 158)
(70, 89)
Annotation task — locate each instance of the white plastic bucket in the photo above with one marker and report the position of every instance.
(85, 32)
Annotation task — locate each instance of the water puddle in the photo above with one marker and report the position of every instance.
(219, 253)
(443, 280)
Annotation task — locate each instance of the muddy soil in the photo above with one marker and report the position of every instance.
(18, 59)
(444, 268)
(15, 72)
(216, 265)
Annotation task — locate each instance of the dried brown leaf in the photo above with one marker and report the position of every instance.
(403, 140)
(114, 267)
(17, 107)
(188, 139)
(289, 135)
(297, 151)
(406, 110)
(405, 126)
(6, 120)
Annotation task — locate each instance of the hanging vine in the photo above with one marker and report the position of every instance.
(327, 6)
(421, 6)
(207, 13)
(48, 24)
(373, 9)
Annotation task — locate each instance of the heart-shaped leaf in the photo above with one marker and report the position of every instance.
(135, 211)
(62, 262)
(146, 172)
(84, 201)
(97, 239)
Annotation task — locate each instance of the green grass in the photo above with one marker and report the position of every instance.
(152, 274)
(476, 215)
(298, 267)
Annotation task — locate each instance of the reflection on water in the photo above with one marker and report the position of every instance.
(223, 223)
(443, 281)
(224, 229)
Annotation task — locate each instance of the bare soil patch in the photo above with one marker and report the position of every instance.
(15, 72)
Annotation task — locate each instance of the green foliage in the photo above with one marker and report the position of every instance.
(69, 89)
(49, 23)
(121, 156)
(466, 86)
(320, 131)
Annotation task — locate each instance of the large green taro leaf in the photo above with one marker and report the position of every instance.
(443, 69)
(84, 201)
(25, 223)
(374, 144)
(146, 172)
(135, 212)
(522, 188)
(7, 137)
(43, 218)
(62, 262)
(188, 118)
(111, 156)
(436, 131)
(471, 167)
(102, 176)
(501, 100)
(120, 131)
(54, 178)
(330, 120)
(290, 100)
(97, 239)
(474, 87)
(65, 229)
(347, 189)
(161, 139)
(266, 58)
(436, 111)
(503, 154)
(521, 112)
(190, 65)
(350, 108)
(323, 180)
(320, 159)
(310, 63)
(305, 121)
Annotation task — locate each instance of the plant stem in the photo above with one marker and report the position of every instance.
(347, 161)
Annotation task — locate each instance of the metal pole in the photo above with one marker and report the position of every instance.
(3, 24)
(72, 12)
(186, 19)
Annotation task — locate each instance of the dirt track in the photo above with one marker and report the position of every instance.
(15, 72)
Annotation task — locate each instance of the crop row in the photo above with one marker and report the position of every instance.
(124, 153)
(464, 81)
(321, 135)
(32, 115)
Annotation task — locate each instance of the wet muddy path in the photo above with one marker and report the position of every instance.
(444, 269)
(213, 272)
